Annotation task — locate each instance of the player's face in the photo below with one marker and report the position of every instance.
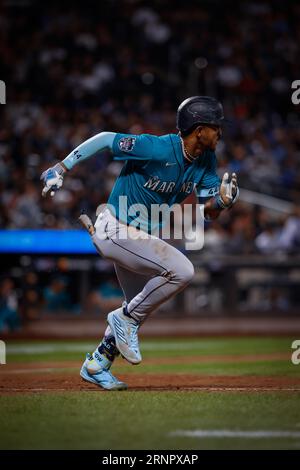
(210, 135)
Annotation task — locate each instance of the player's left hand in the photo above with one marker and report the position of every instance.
(229, 191)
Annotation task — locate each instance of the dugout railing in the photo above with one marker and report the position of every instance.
(222, 286)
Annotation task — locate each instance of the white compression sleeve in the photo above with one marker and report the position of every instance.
(90, 147)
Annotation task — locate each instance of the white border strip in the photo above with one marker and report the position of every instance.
(221, 433)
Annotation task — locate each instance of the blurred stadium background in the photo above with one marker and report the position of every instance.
(72, 71)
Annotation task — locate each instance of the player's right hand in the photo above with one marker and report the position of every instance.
(52, 179)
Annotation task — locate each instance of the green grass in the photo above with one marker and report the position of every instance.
(179, 347)
(138, 420)
(147, 419)
(272, 367)
(263, 368)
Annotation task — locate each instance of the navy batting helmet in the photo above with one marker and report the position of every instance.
(199, 110)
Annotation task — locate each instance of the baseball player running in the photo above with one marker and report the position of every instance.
(157, 170)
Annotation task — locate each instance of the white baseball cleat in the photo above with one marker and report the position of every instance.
(95, 369)
(125, 331)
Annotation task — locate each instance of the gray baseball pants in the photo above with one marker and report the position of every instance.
(149, 270)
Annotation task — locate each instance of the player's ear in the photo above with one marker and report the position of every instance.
(199, 131)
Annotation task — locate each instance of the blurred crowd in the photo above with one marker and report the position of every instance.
(248, 230)
(74, 71)
(29, 297)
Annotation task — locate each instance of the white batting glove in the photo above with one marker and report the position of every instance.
(229, 191)
(53, 179)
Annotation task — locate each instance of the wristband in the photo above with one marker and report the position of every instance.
(59, 169)
(217, 203)
(220, 203)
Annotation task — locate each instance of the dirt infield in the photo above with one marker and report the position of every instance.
(64, 376)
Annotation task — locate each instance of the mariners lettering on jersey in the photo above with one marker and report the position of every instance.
(159, 186)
